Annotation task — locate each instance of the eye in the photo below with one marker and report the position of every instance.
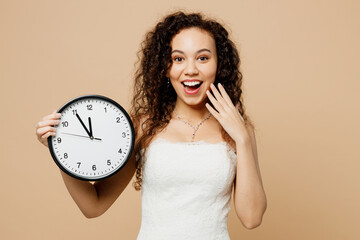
(203, 58)
(178, 59)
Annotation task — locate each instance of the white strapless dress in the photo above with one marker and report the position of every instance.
(186, 190)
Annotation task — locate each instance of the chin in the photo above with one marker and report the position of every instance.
(196, 102)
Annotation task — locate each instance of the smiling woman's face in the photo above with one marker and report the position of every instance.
(194, 64)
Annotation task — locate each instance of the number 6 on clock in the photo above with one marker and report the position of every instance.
(93, 128)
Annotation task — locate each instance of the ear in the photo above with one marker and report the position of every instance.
(168, 69)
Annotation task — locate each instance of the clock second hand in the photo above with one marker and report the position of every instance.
(80, 135)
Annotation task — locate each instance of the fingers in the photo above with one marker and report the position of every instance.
(44, 132)
(212, 111)
(53, 115)
(222, 104)
(225, 95)
(213, 101)
(47, 123)
(223, 99)
(41, 131)
(44, 138)
(45, 127)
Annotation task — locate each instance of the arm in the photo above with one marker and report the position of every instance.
(94, 199)
(249, 196)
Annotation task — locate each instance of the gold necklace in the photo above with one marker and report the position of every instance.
(194, 127)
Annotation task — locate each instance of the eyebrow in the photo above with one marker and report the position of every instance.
(199, 51)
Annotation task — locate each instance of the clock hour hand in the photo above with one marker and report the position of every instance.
(90, 127)
(79, 135)
(82, 123)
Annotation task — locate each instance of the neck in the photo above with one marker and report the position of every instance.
(190, 113)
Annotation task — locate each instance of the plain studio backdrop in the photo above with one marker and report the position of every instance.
(301, 83)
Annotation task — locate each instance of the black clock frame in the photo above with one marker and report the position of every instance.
(100, 97)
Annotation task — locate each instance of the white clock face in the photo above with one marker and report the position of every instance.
(94, 138)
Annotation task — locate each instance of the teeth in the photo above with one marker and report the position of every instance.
(192, 83)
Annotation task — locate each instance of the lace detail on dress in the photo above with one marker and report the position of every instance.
(230, 150)
(186, 190)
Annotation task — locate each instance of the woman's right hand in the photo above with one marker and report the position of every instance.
(92, 199)
(44, 127)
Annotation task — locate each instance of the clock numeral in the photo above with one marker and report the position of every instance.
(117, 120)
(74, 111)
(89, 107)
(105, 109)
(108, 162)
(94, 167)
(66, 155)
(79, 163)
(65, 124)
(120, 151)
(123, 134)
(58, 140)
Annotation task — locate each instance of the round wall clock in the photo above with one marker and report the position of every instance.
(94, 139)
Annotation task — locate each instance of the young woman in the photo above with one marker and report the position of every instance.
(194, 142)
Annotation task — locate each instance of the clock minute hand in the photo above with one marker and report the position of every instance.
(87, 131)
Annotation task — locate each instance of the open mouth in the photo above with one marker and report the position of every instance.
(191, 86)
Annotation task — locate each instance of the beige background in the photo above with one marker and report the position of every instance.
(301, 79)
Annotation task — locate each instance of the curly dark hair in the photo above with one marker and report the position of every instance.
(153, 100)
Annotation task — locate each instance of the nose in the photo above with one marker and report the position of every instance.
(191, 68)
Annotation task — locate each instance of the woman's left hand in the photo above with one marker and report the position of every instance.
(227, 114)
